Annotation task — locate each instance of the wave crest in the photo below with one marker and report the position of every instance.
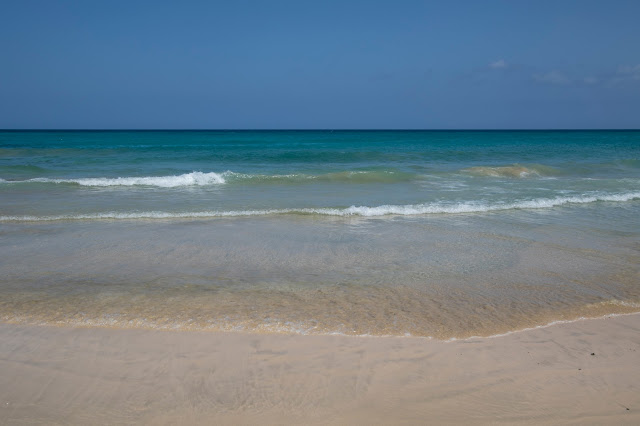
(187, 179)
(203, 179)
(364, 211)
(352, 176)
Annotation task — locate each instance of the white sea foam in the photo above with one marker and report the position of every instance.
(202, 179)
(365, 211)
(187, 179)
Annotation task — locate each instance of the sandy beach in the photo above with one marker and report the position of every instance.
(584, 372)
(320, 213)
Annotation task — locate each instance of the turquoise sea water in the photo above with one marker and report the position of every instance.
(438, 233)
(120, 174)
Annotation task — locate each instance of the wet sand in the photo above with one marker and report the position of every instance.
(585, 372)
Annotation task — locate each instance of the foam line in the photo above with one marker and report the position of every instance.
(364, 211)
(187, 179)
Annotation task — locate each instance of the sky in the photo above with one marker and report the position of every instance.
(319, 64)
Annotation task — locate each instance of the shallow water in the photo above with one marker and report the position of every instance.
(442, 234)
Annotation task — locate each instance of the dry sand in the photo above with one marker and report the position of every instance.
(586, 372)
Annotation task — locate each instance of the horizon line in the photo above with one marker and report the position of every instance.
(54, 129)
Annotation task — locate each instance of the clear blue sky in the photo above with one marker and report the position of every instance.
(320, 64)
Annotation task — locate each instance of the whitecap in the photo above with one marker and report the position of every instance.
(187, 179)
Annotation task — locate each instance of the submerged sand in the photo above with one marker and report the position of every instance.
(442, 276)
(585, 372)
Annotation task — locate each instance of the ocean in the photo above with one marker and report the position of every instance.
(442, 234)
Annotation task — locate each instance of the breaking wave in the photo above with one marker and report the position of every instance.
(364, 211)
(188, 179)
(204, 179)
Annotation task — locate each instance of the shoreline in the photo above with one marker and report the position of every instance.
(547, 374)
(287, 332)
